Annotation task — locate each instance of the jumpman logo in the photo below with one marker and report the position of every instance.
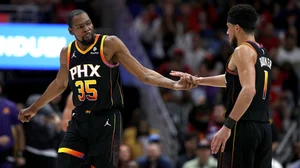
(73, 56)
(107, 123)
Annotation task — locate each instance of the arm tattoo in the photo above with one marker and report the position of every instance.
(147, 79)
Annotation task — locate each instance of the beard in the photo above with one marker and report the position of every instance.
(233, 42)
(87, 42)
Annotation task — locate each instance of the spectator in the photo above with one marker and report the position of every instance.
(136, 138)
(165, 30)
(154, 157)
(195, 55)
(144, 27)
(125, 156)
(9, 121)
(289, 52)
(268, 38)
(204, 158)
(199, 120)
(190, 145)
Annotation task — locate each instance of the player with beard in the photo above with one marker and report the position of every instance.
(245, 140)
(90, 66)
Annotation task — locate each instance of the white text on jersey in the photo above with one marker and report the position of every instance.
(79, 69)
(264, 61)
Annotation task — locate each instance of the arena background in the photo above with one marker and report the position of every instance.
(164, 35)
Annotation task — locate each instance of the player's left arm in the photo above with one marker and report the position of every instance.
(244, 59)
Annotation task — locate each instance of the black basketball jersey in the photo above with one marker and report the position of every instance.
(95, 83)
(258, 109)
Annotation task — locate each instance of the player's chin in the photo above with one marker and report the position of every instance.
(87, 37)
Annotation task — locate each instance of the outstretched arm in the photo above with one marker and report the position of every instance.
(115, 48)
(216, 81)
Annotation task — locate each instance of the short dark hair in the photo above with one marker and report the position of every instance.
(245, 16)
(72, 14)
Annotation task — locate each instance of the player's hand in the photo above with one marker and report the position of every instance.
(4, 140)
(195, 80)
(26, 114)
(185, 83)
(220, 139)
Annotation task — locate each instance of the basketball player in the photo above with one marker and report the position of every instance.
(245, 139)
(90, 65)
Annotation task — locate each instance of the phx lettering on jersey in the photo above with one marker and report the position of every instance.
(83, 71)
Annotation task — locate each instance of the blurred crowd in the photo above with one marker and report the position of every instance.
(47, 11)
(186, 35)
(190, 36)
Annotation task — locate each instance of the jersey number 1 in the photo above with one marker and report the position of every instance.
(85, 91)
(265, 84)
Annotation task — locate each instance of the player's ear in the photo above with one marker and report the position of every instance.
(236, 27)
(70, 31)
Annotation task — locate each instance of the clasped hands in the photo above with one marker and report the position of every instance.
(186, 81)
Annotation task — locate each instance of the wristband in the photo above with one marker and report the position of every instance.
(229, 123)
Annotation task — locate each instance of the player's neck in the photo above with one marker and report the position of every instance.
(83, 47)
(245, 37)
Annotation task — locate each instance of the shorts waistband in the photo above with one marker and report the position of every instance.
(105, 112)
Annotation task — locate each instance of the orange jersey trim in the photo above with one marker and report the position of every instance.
(102, 54)
(69, 54)
(120, 90)
(71, 152)
(248, 44)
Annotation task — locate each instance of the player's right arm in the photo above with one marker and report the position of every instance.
(56, 87)
(216, 81)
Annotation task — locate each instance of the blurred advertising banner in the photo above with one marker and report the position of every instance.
(32, 46)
